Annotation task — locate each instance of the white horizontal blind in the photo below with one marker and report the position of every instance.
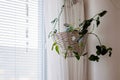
(17, 18)
(19, 57)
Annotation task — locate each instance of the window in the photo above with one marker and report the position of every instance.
(21, 35)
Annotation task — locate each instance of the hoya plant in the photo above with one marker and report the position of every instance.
(75, 39)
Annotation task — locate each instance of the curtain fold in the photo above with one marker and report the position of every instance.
(58, 67)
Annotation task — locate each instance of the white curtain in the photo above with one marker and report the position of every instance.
(58, 67)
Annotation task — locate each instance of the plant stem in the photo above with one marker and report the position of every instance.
(55, 24)
(96, 37)
(95, 16)
(92, 28)
(58, 19)
(59, 15)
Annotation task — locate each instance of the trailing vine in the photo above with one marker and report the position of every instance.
(83, 31)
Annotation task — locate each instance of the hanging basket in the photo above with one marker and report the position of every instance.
(68, 43)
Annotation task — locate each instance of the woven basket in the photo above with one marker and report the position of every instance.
(65, 39)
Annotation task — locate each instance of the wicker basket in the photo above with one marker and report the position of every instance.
(70, 39)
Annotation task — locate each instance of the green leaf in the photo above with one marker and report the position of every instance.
(98, 52)
(65, 54)
(67, 25)
(55, 31)
(70, 48)
(93, 58)
(53, 21)
(98, 18)
(70, 29)
(76, 55)
(110, 53)
(102, 13)
(103, 50)
(81, 24)
(57, 49)
(54, 44)
(109, 49)
(97, 21)
(84, 32)
(49, 35)
(63, 5)
(91, 19)
(98, 47)
(87, 23)
(52, 33)
(85, 54)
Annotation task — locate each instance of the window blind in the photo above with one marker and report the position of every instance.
(21, 35)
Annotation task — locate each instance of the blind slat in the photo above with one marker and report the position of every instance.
(19, 37)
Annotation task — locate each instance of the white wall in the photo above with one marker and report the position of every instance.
(109, 31)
